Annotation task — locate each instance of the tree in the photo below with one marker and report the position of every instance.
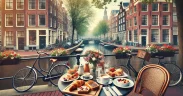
(101, 28)
(179, 9)
(80, 13)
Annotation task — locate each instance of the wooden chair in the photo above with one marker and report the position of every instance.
(152, 79)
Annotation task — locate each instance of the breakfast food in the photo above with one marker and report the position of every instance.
(83, 90)
(92, 85)
(76, 84)
(115, 72)
(123, 82)
(69, 77)
(71, 71)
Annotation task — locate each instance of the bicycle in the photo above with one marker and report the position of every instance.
(169, 66)
(26, 77)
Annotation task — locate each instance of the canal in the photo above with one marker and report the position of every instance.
(10, 70)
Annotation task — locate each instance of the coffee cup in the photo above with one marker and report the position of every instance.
(104, 79)
(86, 75)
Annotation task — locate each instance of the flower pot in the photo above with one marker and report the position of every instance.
(166, 54)
(9, 61)
(61, 58)
(121, 55)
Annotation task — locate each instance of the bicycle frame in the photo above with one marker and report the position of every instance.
(131, 67)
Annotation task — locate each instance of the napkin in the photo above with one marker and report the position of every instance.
(112, 92)
(116, 90)
(107, 93)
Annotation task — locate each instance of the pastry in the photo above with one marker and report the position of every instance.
(71, 71)
(76, 84)
(83, 90)
(92, 85)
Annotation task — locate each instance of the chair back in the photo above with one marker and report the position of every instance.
(154, 78)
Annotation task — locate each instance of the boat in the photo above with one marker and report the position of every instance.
(79, 50)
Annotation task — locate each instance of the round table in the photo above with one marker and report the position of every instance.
(124, 91)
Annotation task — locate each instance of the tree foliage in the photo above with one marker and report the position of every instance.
(101, 28)
(80, 13)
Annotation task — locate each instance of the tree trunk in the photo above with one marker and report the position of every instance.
(72, 36)
(179, 9)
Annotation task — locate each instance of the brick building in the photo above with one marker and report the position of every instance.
(149, 23)
(29, 24)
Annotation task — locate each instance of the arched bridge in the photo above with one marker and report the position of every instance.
(87, 40)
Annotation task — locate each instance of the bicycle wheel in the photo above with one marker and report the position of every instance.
(56, 72)
(175, 73)
(24, 79)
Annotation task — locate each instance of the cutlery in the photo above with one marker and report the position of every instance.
(106, 91)
(117, 91)
(112, 92)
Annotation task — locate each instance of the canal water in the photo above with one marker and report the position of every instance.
(10, 70)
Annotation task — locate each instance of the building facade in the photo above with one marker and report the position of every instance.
(29, 24)
(0, 21)
(149, 23)
(113, 25)
(175, 26)
(122, 23)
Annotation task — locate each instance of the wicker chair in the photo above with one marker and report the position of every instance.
(152, 77)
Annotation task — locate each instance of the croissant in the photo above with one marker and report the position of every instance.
(76, 84)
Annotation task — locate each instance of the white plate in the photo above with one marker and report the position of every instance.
(110, 82)
(62, 79)
(115, 82)
(91, 77)
(122, 76)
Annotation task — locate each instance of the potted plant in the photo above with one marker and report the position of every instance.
(60, 52)
(121, 52)
(166, 51)
(9, 57)
(153, 50)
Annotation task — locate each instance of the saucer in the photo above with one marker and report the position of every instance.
(91, 77)
(110, 82)
(115, 82)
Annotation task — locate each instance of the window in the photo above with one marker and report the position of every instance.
(135, 9)
(135, 36)
(9, 38)
(20, 33)
(20, 4)
(135, 21)
(9, 19)
(165, 7)
(50, 9)
(51, 22)
(144, 19)
(144, 32)
(42, 4)
(130, 36)
(154, 7)
(32, 20)
(32, 37)
(144, 7)
(154, 19)
(42, 20)
(9, 4)
(154, 35)
(32, 4)
(55, 23)
(124, 27)
(174, 18)
(165, 35)
(42, 32)
(20, 19)
(165, 20)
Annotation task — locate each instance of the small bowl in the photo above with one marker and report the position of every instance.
(123, 82)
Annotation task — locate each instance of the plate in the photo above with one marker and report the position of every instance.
(129, 86)
(91, 77)
(110, 82)
(68, 80)
(122, 76)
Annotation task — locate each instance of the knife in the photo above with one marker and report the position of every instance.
(117, 91)
(107, 93)
(112, 92)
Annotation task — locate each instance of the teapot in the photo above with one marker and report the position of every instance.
(81, 69)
